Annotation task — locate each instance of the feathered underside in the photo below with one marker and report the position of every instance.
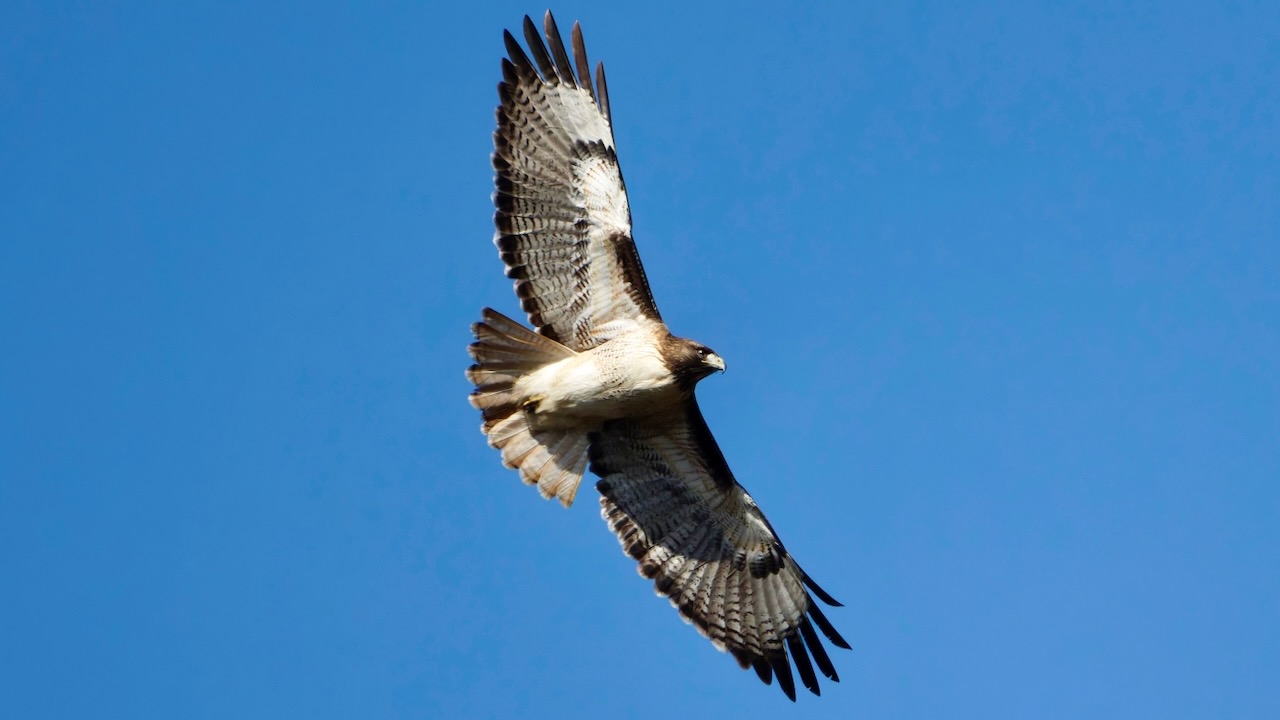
(669, 496)
(563, 222)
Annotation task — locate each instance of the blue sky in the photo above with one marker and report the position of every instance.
(996, 285)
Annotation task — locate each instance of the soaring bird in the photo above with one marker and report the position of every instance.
(602, 384)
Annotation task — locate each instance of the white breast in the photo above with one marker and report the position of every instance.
(624, 377)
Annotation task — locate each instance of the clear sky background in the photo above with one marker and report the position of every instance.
(998, 287)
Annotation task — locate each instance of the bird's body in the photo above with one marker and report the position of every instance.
(602, 383)
(626, 376)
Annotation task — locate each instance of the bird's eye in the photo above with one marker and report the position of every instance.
(702, 352)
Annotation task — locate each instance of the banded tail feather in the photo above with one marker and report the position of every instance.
(554, 460)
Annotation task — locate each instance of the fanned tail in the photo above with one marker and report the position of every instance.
(504, 351)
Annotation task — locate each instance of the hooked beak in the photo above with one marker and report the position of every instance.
(715, 361)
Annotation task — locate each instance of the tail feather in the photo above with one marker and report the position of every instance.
(501, 432)
(513, 342)
(495, 373)
(560, 474)
(505, 351)
(552, 459)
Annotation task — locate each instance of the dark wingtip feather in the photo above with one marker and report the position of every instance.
(539, 50)
(801, 658)
(782, 668)
(763, 670)
(515, 52)
(602, 93)
(826, 627)
(580, 58)
(510, 76)
(564, 68)
(823, 595)
(815, 648)
(744, 660)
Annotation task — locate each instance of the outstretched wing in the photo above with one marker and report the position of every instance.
(671, 499)
(563, 223)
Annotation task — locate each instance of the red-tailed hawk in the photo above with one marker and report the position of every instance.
(603, 383)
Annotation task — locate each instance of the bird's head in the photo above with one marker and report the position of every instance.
(690, 361)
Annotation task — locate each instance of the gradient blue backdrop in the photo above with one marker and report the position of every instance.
(997, 286)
